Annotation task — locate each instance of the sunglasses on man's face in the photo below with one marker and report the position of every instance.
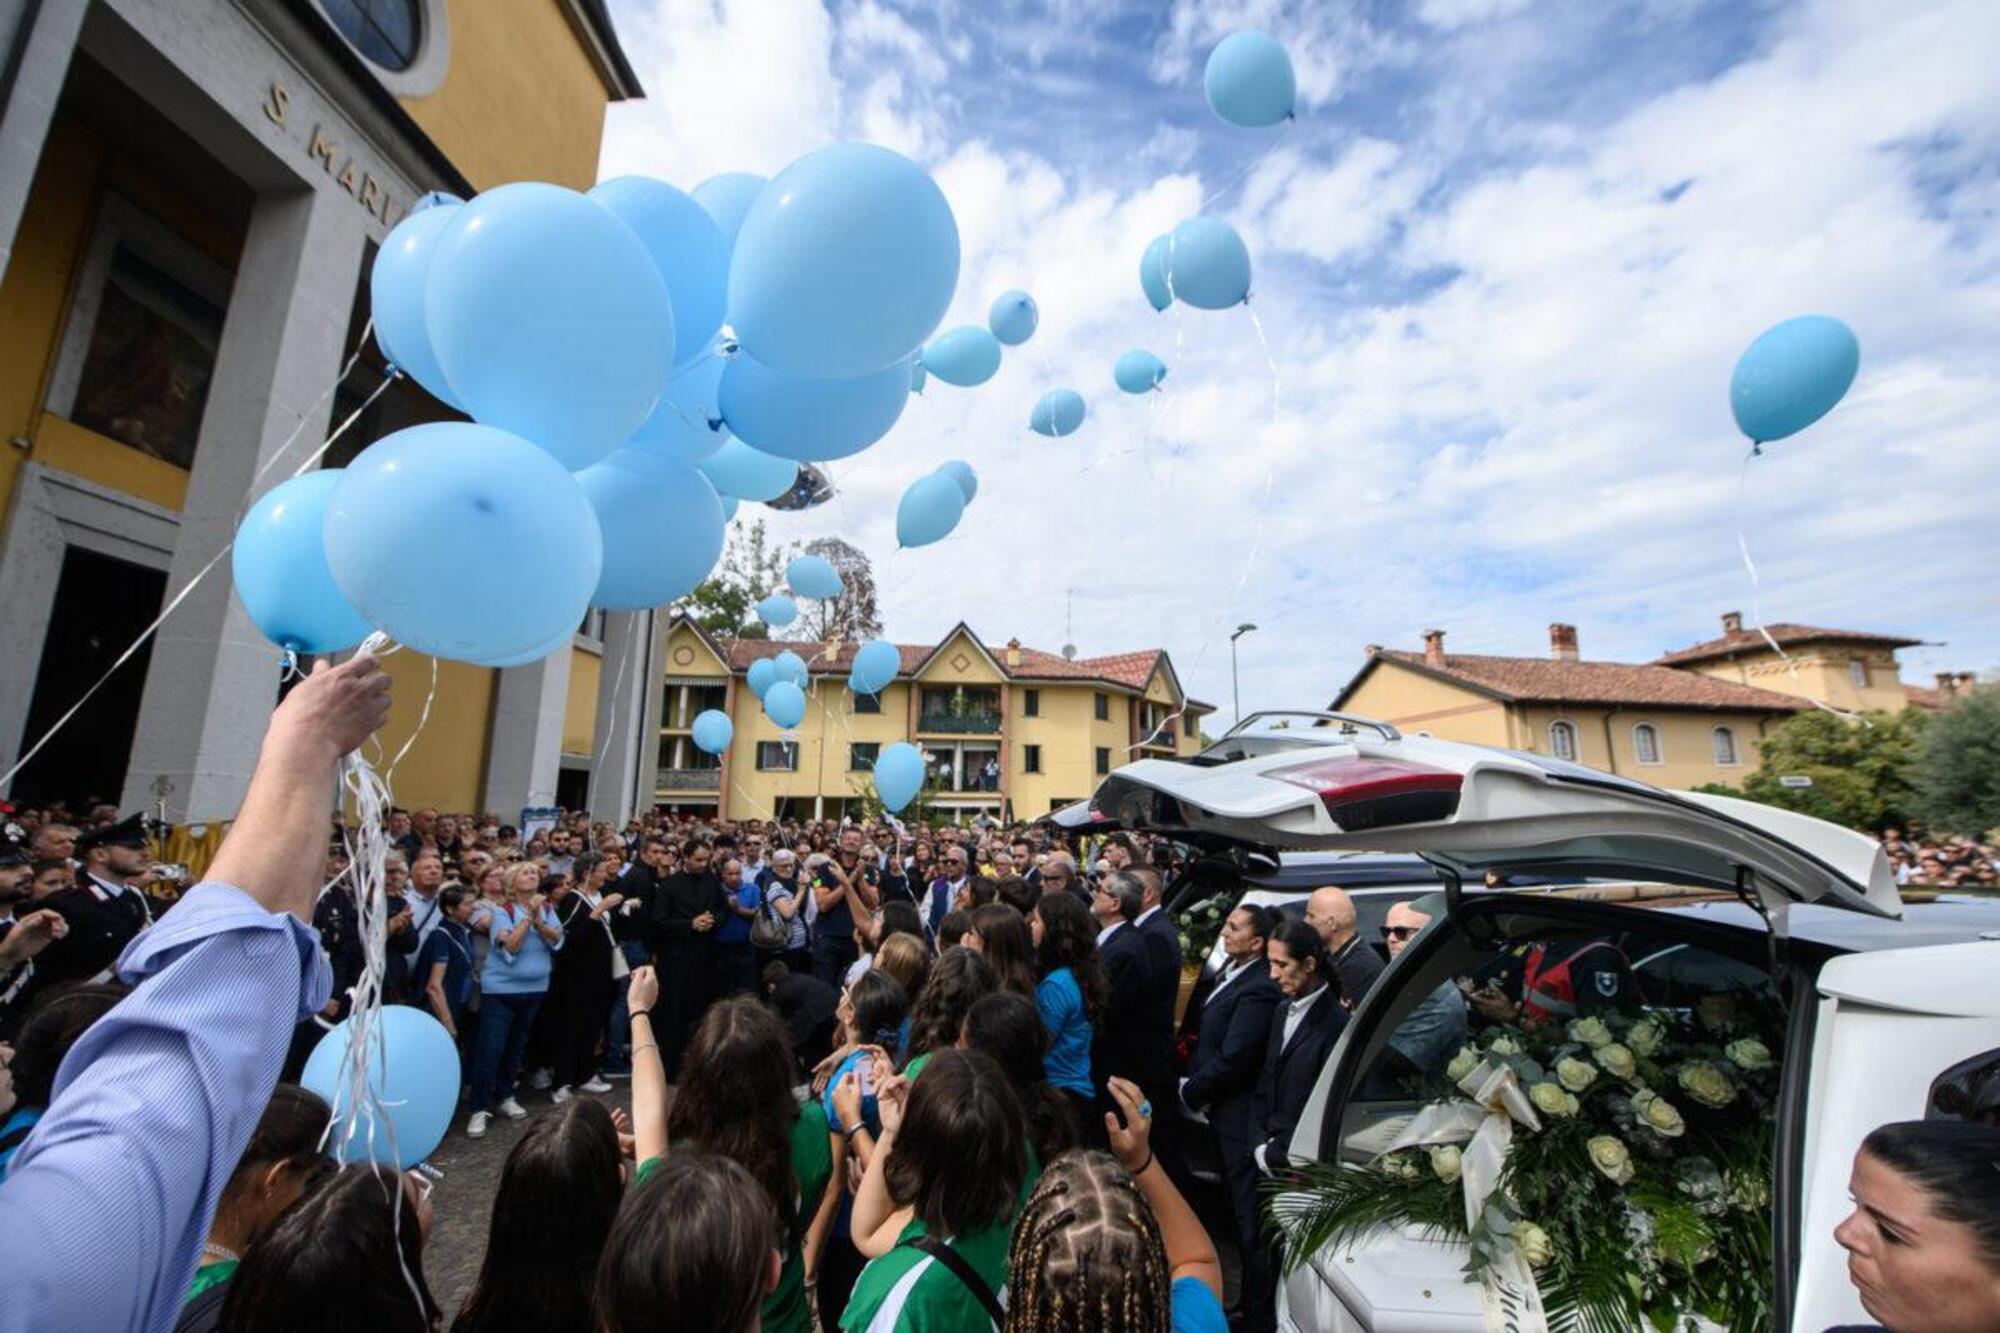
(1399, 932)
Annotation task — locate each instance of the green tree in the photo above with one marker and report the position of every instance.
(1861, 773)
(1958, 783)
(750, 570)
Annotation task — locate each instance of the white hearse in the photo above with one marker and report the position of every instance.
(1889, 1011)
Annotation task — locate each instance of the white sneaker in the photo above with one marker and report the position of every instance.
(596, 1084)
(512, 1109)
(540, 1079)
(560, 1095)
(475, 1128)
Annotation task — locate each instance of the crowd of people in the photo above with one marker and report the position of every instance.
(880, 1078)
(1951, 862)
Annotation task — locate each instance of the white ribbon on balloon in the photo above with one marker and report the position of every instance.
(1512, 1301)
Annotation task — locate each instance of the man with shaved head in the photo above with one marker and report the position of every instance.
(1355, 966)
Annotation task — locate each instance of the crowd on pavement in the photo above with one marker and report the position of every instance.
(882, 1076)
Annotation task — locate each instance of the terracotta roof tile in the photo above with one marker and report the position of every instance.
(1749, 640)
(1129, 670)
(1545, 680)
(1926, 698)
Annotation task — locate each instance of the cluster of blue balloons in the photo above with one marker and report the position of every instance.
(932, 505)
(1202, 263)
(779, 682)
(616, 420)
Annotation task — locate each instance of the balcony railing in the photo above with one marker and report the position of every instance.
(690, 779)
(968, 724)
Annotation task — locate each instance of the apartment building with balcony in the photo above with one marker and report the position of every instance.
(1006, 731)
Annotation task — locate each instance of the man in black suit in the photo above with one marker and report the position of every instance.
(1163, 951)
(1355, 964)
(687, 907)
(1303, 1028)
(1228, 1058)
(1128, 1042)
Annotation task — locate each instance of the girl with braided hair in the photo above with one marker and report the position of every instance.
(1109, 1245)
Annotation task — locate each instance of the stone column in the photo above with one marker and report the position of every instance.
(618, 737)
(214, 678)
(36, 39)
(525, 751)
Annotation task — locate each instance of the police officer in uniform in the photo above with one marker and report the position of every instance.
(102, 912)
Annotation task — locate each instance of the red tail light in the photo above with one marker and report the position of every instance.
(1363, 794)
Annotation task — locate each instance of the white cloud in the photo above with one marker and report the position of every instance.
(1537, 432)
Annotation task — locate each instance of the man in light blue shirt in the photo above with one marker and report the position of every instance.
(105, 1207)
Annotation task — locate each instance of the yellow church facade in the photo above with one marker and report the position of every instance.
(192, 193)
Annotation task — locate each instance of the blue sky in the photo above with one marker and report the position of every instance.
(1503, 262)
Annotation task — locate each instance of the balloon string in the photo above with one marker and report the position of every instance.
(173, 605)
(1757, 593)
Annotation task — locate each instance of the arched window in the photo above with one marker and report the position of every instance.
(1562, 740)
(1646, 743)
(386, 31)
(1725, 746)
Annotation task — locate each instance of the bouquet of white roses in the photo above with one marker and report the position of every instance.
(1641, 1198)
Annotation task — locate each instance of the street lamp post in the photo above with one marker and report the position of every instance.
(1235, 694)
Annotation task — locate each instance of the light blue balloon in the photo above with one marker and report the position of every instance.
(413, 1077)
(550, 320)
(1153, 273)
(538, 652)
(1013, 318)
(727, 199)
(814, 576)
(729, 507)
(929, 510)
(1249, 80)
(686, 424)
(966, 356)
(1792, 376)
(1059, 412)
(396, 287)
(463, 542)
(917, 375)
(1139, 371)
(662, 528)
(961, 472)
(811, 421)
(761, 676)
(687, 248)
(899, 774)
(749, 474)
(279, 565)
(1208, 265)
(785, 705)
(846, 262)
(876, 663)
(777, 610)
(790, 666)
(713, 731)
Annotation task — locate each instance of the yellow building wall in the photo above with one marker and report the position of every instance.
(1067, 734)
(1416, 703)
(1686, 743)
(446, 767)
(580, 703)
(1820, 671)
(520, 99)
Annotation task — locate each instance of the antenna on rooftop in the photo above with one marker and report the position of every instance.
(1069, 625)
